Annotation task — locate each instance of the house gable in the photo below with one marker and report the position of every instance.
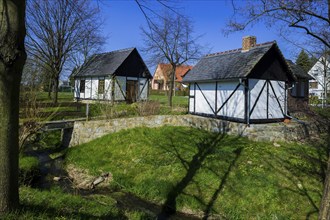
(133, 66)
(272, 67)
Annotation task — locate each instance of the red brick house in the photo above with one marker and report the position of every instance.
(161, 79)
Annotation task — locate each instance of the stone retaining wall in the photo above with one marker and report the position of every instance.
(85, 131)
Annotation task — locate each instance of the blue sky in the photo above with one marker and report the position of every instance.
(123, 20)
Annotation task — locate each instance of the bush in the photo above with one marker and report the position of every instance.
(145, 108)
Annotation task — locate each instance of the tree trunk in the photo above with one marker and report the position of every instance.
(324, 213)
(170, 94)
(55, 89)
(12, 59)
(50, 89)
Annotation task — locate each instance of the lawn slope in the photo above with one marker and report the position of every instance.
(208, 174)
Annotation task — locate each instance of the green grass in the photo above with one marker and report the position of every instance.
(28, 169)
(62, 97)
(181, 101)
(207, 173)
(54, 204)
(68, 109)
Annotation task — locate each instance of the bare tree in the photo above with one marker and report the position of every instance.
(57, 30)
(311, 17)
(169, 38)
(12, 59)
(90, 45)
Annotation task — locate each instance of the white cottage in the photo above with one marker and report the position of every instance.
(247, 85)
(119, 75)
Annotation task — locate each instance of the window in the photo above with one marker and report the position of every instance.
(313, 85)
(101, 86)
(299, 89)
(82, 86)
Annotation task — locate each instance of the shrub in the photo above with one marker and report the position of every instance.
(145, 108)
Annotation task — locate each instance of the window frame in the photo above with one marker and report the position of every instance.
(82, 86)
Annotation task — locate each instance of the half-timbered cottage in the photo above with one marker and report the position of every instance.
(119, 75)
(247, 85)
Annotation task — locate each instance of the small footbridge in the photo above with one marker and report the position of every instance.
(66, 127)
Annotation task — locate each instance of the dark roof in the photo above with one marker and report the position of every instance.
(298, 71)
(230, 64)
(104, 64)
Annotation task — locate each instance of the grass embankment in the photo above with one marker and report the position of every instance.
(200, 172)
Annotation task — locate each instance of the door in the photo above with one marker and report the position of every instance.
(131, 90)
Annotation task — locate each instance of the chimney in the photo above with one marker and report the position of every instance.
(248, 43)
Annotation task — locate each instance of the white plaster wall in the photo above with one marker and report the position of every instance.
(235, 105)
(88, 88)
(207, 90)
(274, 110)
(143, 89)
(77, 88)
(107, 88)
(95, 86)
(192, 99)
(260, 109)
(120, 85)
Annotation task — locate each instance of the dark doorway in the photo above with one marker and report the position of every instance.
(131, 90)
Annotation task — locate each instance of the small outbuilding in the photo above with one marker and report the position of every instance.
(247, 85)
(298, 96)
(119, 75)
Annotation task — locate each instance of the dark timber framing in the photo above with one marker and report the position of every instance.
(257, 99)
(118, 66)
(213, 110)
(278, 102)
(248, 106)
(246, 101)
(231, 94)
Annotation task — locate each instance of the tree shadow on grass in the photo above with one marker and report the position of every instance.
(304, 164)
(42, 211)
(210, 145)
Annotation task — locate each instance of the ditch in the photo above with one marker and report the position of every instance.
(52, 173)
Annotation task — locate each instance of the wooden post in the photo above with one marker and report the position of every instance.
(87, 111)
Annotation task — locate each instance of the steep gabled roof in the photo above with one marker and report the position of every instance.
(298, 71)
(232, 64)
(180, 71)
(104, 64)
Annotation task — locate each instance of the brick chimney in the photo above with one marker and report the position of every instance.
(248, 42)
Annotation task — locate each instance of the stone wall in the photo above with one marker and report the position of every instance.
(85, 131)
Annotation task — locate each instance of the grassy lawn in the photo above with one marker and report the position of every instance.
(181, 101)
(208, 174)
(62, 97)
(68, 109)
(55, 204)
